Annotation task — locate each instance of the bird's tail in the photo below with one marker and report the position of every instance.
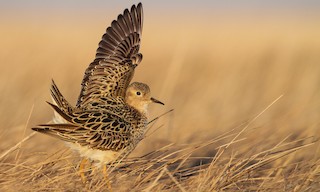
(60, 131)
(59, 104)
(61, 123)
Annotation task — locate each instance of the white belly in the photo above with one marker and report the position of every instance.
(94, 154)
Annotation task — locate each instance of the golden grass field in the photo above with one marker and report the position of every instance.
(224, 77)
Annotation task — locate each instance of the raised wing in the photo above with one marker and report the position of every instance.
(118, 54)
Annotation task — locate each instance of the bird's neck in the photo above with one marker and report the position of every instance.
(140, 107)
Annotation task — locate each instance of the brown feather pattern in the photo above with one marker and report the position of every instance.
(102, 119)
(113, 127)
(116, 58)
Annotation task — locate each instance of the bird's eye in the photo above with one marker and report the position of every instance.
(138, 93)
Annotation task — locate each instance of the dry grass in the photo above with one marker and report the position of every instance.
(228, 130)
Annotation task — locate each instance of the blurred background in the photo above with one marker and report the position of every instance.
(216, 63)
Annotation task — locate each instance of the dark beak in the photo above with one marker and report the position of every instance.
(156, 101)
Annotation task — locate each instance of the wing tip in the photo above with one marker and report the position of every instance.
(35, 128)
(39, 128)
(139, 7)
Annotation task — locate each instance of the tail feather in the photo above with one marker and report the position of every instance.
(61, 113)
(62, 126)
(60, 131)
(58, 98)
(61, 106)
(59, 126)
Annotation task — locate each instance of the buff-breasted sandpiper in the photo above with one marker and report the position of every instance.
(110, 117)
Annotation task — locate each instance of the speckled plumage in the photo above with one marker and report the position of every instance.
(110, 116)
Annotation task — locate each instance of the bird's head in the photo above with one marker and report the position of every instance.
(139, 97)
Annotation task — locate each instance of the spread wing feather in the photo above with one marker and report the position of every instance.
(116, 58)
(105, 80)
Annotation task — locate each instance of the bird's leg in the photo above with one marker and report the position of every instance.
(82, 170)
(105, 174)
(92, 168)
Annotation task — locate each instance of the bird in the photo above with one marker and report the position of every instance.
(111, 115)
